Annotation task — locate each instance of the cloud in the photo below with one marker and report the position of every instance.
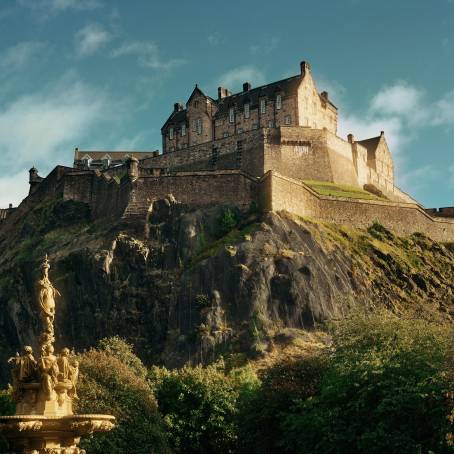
(214, 39)
(148, 55)
(91, 38)
(234, 78)
(19, 56)
(13, 188)
(266, 47)
(443, 111)
(398, 99)
(53, 7)
(36, 127)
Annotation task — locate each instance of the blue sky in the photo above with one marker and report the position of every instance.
(102, 74)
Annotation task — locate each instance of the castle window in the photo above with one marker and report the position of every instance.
(263, 106)
(170, 133)
(214, 155)
(196, 104)
(106, 162)
(288, 120)
(255, 126)
(240, 130)
(86, 161)
(270, 124)
(231, 115)
(246, 110)
(183, 129)
(278, 102)
(199, 126)
(226, 134)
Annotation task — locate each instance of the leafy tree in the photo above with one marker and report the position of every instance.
(110, 383)
(199, 406)
(385, 390)
(227, 221)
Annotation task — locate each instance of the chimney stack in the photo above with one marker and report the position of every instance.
(223, 93)
(382, 133)
(351, 138)
(324, 95)
(10, 206)
(305, 67)
(247, 86)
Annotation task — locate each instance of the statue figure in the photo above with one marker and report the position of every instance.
(25, 367)
(47, 294)
(74, 376)
(63, 365)
(49, 371)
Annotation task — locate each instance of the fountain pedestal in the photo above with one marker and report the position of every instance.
(44, 392)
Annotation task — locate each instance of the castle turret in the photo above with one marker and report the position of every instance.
(132, 164)
(34, 179)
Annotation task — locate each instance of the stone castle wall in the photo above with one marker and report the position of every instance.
(283, 193)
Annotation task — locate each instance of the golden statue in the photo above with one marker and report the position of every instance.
(48, 368)
(46, 294)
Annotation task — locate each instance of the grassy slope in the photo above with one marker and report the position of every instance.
(340, 190)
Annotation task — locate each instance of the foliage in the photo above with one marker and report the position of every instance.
(110, 385)
(384, 390)
(227, 222)
(261, 410)
(199, 406)
(123, 351)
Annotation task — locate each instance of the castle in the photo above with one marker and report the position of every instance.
(275, 146)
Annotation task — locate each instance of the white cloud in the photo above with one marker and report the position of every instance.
(91, 38)
(52, 7)
(443, 111)
(398, 99)
(234, 79)
(214, 39)
(35, 127)
(13, 188)
(266, 47)
(19, 56)
(148, 55)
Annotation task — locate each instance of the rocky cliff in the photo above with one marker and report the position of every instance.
(199, 282)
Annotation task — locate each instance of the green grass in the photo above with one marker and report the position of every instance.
(340, 190)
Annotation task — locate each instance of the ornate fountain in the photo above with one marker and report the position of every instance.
(44, 391)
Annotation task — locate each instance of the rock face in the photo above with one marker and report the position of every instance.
(200, 282)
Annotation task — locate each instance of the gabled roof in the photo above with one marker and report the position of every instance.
(198, 91)
(252, 96)
(176, 117)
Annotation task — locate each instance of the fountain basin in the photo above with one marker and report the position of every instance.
(38, 434)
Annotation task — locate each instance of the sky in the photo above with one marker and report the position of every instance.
(104, 74)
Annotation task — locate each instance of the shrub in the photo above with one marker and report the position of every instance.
(110, 385)
(199, 406)
(227, 222)
(384, 391)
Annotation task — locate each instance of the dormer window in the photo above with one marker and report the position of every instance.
(247, 111)
(231, 115)
(263, 106)
(196, 104)
(106, 160)
(170, 133)
(86, 161)
(199, 126)
(278, 102)
(183, 129)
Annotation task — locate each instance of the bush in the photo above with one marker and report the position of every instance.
(110, 384)
(227, 222)
(384, 391)
(199, 406)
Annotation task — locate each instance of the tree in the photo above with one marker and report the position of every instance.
(386, 390)
(109, 385)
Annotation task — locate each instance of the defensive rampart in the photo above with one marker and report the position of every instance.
(283, 193)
